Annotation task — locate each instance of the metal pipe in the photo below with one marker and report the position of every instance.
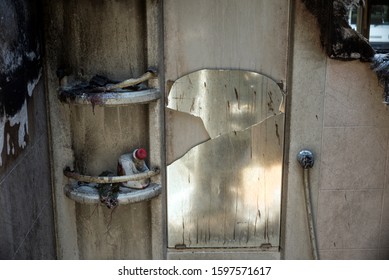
(306, 160)
(108, 179)
(151, 73)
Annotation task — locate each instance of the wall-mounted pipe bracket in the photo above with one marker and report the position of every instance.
(84, 190)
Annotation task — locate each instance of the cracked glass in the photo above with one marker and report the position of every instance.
(225, 192)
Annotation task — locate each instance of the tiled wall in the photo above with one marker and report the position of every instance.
(351, 217)
(26, 215)
(337, 112)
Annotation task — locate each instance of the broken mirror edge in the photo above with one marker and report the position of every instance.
(116, 98)
(88, 194)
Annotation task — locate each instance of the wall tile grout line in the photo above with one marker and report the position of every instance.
(319, 187)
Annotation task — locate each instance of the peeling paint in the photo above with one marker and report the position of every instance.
(22, 120)
(8, 144)
(31, 85)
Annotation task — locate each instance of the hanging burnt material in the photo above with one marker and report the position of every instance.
(99, 90)
(381, 66)
(109, 192)
(342, 42)
(337, 37)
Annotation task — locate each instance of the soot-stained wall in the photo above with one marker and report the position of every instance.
(20, 71)
(26, 212)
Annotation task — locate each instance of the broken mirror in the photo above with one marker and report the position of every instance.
(225, 131)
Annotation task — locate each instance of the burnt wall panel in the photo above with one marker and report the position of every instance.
(20, 70)
(26, 216)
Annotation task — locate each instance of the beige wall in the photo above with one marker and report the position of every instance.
(336, 111)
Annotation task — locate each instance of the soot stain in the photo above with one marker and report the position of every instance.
(20, 61)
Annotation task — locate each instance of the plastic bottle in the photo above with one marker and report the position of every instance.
(133, 163)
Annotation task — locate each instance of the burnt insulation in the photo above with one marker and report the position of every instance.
(342, 42)
(380, 65)
(337, 37)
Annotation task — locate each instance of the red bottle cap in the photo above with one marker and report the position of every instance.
(140, 153)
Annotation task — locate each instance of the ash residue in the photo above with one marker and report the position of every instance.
(342, 7)
(380, 65)
(71, 93)
(91, 90)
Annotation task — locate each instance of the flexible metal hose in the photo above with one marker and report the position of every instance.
(306, 160)
(308, 206)
(109, 179)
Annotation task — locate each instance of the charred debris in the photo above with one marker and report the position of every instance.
(341, 42)
(91, 90)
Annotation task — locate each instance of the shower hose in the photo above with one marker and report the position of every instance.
(306, 160)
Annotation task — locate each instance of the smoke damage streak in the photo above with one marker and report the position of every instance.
(20, 68)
